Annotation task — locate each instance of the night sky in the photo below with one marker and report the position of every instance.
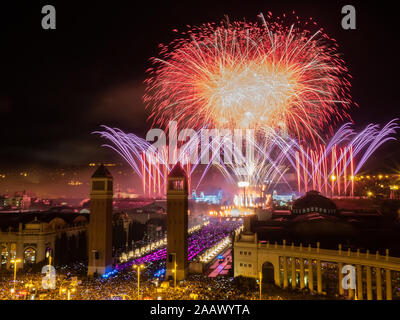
(57, 86)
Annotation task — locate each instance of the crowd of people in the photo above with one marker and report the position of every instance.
(72, 283)
(123, 285)
(31, 285)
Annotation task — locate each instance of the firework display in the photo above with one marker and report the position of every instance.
(151, 165)
(284, 82)
(250, 75)
(331, 168)
(237, 152)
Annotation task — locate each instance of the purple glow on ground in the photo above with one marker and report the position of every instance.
(199, 241)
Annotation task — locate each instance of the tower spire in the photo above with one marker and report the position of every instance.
(177, 223)
(100, 222)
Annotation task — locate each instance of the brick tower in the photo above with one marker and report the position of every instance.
(100, 222)
(177, 223)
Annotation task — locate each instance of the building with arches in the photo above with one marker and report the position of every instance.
(304, 267)
(33, 236)
(311, 266)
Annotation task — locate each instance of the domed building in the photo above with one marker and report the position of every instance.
(315, 215)
(313, 201)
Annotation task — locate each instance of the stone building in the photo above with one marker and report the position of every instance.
(305, 263)
(33, 236)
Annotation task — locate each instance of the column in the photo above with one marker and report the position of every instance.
(359, 283)
(40, 251)
(388, 285)
(293, 272)
(8, 255)
(369, 284)
(351, 293)
(378, 283)
(310, 276)
(20, 253)
(53, 247)
(341, 290)
(285, 277)
(319, 277)
(277, 271)
(301, 262)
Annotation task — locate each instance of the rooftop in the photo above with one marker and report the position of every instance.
(102, 172)
(177, 171)
(313, 199)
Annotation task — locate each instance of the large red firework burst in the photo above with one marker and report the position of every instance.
(250, 75)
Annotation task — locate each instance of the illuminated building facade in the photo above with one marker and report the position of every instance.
(210, 199)
(283, 199)
(19, 201)
(34, 236)
(301, 267)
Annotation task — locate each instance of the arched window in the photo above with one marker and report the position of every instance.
(57, 223)
(30, 256)
(267, 272)
(3, 255)
(48, 252)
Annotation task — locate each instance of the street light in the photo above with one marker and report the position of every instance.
(260, 276)
(62, 290)
(174, 271)
(67, 289)
(333, 179)
(138, 268)
(69, 293)
(15, 261)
